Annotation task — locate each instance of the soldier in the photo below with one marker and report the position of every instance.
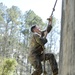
(38, 40)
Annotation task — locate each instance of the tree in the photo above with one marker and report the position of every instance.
(67, 45)
(1, 18)
(9, 27)
(7, 66)
(31, 18)
(2, 11)
(13, 14)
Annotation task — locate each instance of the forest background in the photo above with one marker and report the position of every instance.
(15, 35)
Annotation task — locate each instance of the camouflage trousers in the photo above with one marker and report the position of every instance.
(36, 60)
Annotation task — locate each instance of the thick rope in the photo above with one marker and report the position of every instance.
(44, 49)
(44, 63)
(53, 10)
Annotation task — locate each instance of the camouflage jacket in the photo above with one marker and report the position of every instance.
(37, 42)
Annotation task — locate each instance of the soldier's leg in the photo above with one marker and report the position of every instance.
(37, 66)
(53, 63)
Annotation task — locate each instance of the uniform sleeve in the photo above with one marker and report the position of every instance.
(49, 27)
(40, 40)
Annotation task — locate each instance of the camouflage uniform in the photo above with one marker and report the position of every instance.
(36, 54)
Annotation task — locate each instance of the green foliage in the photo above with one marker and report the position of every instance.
(53, 21)
(1, 18)
(2, 12)
(13, 14)
(8, 66)
(25, 31)
(31, 18)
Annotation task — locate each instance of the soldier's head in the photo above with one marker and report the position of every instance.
(35, 28)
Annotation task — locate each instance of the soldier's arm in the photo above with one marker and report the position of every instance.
(40, 40)
(48, 29)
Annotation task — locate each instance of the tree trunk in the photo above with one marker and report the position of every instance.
(67, 45)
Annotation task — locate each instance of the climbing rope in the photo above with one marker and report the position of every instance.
(44, 72)
(53, 10)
